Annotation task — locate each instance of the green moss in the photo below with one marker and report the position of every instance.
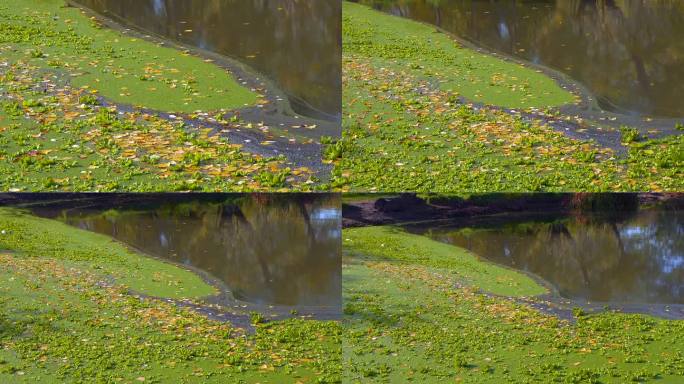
(393, 244)
(408, 321)
(399, 43)
(120, 68)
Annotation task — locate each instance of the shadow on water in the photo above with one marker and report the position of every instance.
(297, 44)
(628, 53)
(262, 250)
(635, 260)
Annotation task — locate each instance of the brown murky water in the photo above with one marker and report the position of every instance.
(638, 258)
(629, 53)
(297, 44)
(267, 249)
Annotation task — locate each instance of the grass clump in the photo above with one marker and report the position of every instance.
(630, 135)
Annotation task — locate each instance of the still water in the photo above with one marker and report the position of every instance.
(629, 53)
(638, 258)
(297, 44)
(267, 249)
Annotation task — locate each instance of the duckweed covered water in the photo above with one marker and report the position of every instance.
(295, 43)
(267, 249)
(628, 53)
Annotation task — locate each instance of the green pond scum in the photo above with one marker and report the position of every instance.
(406, 126)
(121, 68)
(70, 315)
(421, 311)
(90, 105)
(88, 108)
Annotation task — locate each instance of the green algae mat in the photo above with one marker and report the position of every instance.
(405, 127)
(122, 69)
(394, 245)
(30, 236)
(103, 150)
(392, 42)
(418, 311)
(67, 317)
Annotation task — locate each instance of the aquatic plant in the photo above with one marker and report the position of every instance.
(74, 123)
(630, 135)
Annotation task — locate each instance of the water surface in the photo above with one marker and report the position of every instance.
(267, 249)
(629, 53)
(635, 258)
(297, 44)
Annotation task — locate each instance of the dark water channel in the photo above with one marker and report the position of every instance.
(629, 53)
(266, 249)
(634, 259)
(297, 44)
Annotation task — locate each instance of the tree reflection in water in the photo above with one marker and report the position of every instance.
(628, 52)
(635, 259)
(295, 43)
(268, 249)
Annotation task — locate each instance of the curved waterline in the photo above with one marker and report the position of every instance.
(296, 45)
(530, 33)
(223, 239)
(633, 262)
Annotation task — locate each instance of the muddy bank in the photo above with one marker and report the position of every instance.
(103, 201)
(410, 208)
